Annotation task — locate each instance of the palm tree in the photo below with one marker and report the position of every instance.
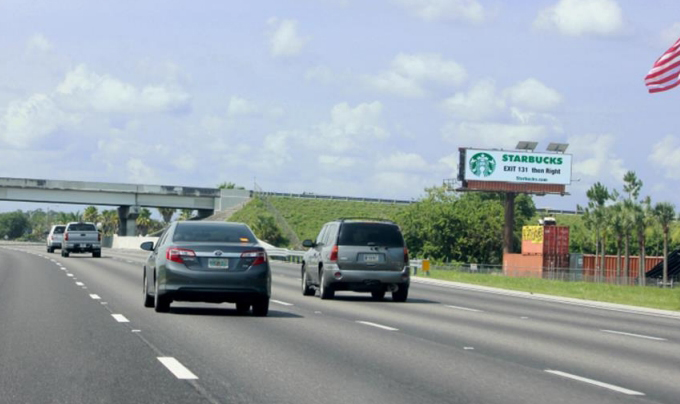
(167, 214)
(664, 213)
(109, 219)
(144, 221)
(616, 225)
(91, 214)
(628, 221)
(642, 220)
(598, 195)
(186, 214)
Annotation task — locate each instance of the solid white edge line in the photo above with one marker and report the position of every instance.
(463, 308)
(596, 383)
(281, 303)
(120, 318)
(177, 369)
(627, 334)
(95, 297)
(384, 327)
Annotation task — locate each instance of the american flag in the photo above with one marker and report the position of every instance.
(665, 73)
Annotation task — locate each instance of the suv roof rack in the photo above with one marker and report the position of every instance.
(373, 219)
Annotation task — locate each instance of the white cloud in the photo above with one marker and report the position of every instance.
(534, 95)
(241, 107)
(140, 173)
(329, 162)
(480, 103)
(409, 73)
(403, 162)
(349, 127)
(284, 39)
(30, 121)
(446, 10)
(594, 158)
(277, 149)
(670, 35)
(494, 135)
(322, 74)
(83, 89)
(582, 18)
(666, 157)
(38, 43)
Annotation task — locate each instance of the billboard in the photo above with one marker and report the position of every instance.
(511, 166)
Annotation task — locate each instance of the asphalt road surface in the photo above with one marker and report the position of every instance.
(73, 330)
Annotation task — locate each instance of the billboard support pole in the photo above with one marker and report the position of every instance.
(508, 229)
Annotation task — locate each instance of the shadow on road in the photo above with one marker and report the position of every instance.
(226, 312)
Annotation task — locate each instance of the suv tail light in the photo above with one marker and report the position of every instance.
(179, 255)
(406, 260)
(99, 238)
(259, 256)
(334, 254)
(66, 236)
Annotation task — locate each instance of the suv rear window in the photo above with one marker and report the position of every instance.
(196, 232)
(81, 227)
(59, 229)
(381, 234)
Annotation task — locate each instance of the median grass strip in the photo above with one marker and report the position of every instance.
(666, 299)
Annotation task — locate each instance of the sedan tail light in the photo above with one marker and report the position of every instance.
(179, 255)
(259, 256)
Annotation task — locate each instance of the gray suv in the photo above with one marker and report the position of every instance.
(360, 255)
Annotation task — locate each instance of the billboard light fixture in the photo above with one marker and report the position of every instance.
(525, 145)
(558, 147)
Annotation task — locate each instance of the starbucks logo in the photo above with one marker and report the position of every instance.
(482, 164)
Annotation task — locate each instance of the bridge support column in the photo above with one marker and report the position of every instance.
(127, 220)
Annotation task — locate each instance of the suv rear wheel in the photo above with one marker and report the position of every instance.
(307, 290)
(401, 294)
(378, 295)
(326, 292)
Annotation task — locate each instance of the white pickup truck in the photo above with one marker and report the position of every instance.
(81, 237)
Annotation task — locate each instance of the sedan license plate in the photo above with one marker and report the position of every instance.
(218, 263)
(371, 257)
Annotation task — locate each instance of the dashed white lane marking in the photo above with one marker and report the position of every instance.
(130, 262)
(281, 303)
(104, 303)
(177, 369)
(524, 318)
(135, 331)
(384, 327)
(69, 275)
(627, 334)
(95, 297)
(80, 284)
(317, 312)
(463, 308)
(120, 318)
(469, 348)
(596, 383)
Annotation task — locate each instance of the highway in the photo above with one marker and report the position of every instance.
(73, 330)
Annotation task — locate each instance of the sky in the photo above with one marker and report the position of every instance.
(341, 97)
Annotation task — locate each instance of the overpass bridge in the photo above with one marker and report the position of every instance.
(129, 198)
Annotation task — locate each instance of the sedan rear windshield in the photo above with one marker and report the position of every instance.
(379, 234)
(59, 230)
(197, 232)
(81, 227)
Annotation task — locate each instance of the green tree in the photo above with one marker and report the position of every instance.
(226, 185)
(266, 229)
(167, 214)
(664, 213)
(14, 225)
(91, 214)
(598, 195)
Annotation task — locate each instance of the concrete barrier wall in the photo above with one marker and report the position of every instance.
(130, 243)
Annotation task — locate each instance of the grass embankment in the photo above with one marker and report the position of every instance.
(307, 216)
(667, 299)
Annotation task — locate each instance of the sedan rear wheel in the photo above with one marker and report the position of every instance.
(161, 304)
(261, 307)
(148, 299)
